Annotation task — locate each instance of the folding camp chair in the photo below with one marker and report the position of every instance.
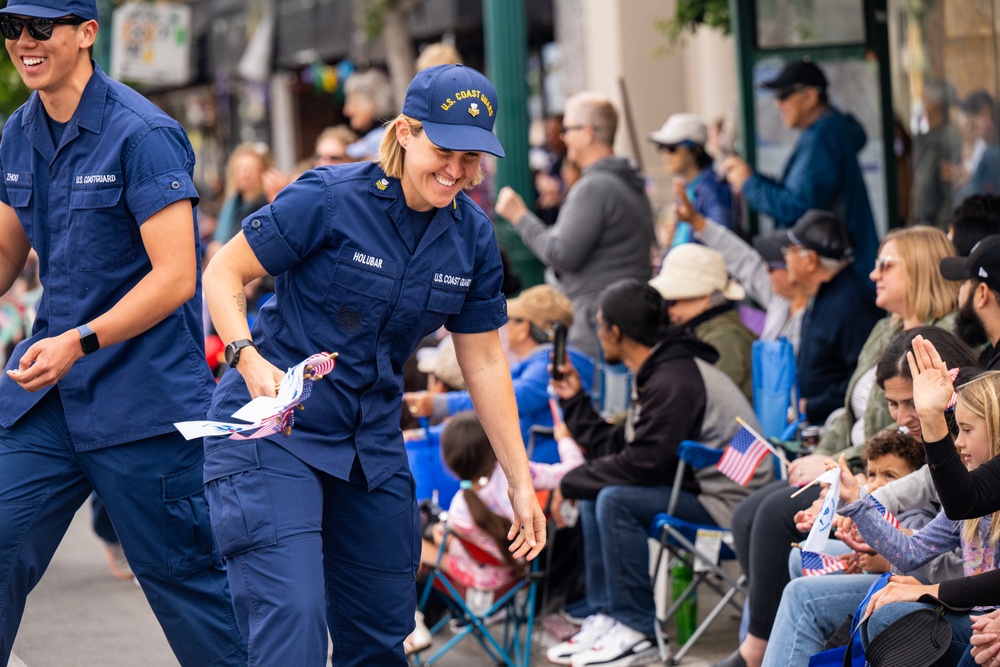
(473, 608)
(678, 539)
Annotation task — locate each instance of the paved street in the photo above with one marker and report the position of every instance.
(80, 616)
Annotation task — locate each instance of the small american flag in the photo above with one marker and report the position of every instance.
(953, 372)
(814, 564)
(740, 460)
(320, 364)
(886, 514)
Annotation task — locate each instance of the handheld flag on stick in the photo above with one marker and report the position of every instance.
(814, 564)
(266, 414)
(819, 534)
(742, 457)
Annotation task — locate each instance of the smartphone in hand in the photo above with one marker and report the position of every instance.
(559, 350)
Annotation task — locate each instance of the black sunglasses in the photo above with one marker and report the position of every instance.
(40, 29)
(785, 93)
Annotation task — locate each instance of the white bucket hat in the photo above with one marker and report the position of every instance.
(691, 271)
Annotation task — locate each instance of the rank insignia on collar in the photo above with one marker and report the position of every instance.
(382, 184)
(473, 109)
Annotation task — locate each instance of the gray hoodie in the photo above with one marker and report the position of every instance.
(604, 233)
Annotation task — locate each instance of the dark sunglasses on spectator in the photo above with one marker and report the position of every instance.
(40, 29)
(672, 148)
(785, 93)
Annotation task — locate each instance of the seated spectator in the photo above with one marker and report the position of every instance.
(978, 416)
(530, 317)
(840, 315)
(912, 296)
(763, 275)
(681, 142)
(765, 524)
(678, 395)
(978, 319)
(813, 608)
(699, 295)
(367, 105)
(481, 512)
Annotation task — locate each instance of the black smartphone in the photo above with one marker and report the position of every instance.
(559, 350)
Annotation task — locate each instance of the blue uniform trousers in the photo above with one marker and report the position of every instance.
(153, 493)
(306, 551)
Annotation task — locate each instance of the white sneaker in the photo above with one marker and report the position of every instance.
(621, 646)
(590, 632)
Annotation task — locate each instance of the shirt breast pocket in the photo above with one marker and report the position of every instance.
(100, 227)
(353, 308)
(443, 303)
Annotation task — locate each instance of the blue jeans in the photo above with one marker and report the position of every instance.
(961, 630)
(811, 610)
(616, 555)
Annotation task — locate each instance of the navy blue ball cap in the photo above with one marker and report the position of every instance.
(53, 9)
(457, 106)
(801, 73)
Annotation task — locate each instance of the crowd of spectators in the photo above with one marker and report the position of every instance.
(875, 325)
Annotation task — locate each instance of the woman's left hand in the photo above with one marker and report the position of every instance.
(900, 588)
(527, 532)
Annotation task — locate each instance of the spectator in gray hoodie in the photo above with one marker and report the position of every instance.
(604, 231)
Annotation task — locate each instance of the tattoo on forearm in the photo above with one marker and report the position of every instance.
(241, 302)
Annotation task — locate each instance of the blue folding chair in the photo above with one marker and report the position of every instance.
(677, 539)
(516, 602)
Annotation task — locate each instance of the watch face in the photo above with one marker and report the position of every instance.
(232, 354)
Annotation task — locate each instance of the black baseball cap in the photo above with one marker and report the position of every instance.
(982, 264)
(802, 73)
(816, 230)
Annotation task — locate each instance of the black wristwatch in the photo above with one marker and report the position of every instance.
(88, 339)
(233, 351)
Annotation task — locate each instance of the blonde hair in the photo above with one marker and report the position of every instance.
(599, 113)
(438, 53)
(981, 397)
(341, 133)
(254, 149)
(391, 155)
(928, 296)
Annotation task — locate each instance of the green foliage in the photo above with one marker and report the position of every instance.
(691, 14)
(374, 16)
(13, 92)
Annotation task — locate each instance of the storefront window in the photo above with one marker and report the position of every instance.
(791, 23)
(945, 63)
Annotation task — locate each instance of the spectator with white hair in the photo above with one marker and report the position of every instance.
(369, 102)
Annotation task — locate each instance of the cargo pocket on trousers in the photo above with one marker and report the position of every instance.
(242, 518)
(188, 527)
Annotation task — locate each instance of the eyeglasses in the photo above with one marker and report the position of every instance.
(785, 93)
(569, 128)
(884, 263)
(40, 29)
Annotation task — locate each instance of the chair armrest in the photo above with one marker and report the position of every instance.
(697, 455)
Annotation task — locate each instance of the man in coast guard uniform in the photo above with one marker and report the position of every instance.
(98, 181)
(320, 529)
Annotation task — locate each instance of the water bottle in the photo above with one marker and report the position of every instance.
(686, 618)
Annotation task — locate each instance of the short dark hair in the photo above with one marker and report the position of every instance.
(977, 217)
(701, 157)
(893, 441)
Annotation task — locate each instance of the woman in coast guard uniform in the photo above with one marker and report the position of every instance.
(320, 528)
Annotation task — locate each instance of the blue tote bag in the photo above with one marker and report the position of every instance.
(775, 386)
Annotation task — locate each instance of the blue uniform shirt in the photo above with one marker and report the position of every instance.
(348, 280)
(120, 160)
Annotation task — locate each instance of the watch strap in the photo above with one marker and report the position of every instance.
(88, 339)
(234, 348)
